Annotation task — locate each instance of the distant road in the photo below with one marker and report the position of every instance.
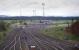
(25, 37)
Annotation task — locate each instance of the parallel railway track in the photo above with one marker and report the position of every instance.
(24, 38)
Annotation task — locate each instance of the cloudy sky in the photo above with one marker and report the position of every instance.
(34, 7)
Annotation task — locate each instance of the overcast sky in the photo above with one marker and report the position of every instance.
(52, 7)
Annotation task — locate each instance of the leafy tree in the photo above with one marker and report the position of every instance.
(74, 28)
(73, 31)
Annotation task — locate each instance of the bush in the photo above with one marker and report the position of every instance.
(3, 26)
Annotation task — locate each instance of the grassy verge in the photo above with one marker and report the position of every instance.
(59, 32)
(3, 35)
(4, 27)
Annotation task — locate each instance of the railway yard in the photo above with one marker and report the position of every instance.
(30, 38)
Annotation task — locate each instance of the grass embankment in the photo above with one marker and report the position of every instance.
(2, 36)
(60, 33)
(4, 27)
(57, 32)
